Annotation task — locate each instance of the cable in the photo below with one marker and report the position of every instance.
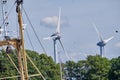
(7, 15)
(29, 39)
(34, 30)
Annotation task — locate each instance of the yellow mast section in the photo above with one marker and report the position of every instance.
(21, 54)
(22, 49)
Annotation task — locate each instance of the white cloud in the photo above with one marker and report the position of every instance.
(117, 44)
(53, 21)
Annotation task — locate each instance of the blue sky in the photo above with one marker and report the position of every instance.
(77, 32)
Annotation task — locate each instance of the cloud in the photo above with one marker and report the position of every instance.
(117, 44)
(52, 22)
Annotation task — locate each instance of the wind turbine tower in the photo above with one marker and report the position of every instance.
(102, 42)
(56, 37)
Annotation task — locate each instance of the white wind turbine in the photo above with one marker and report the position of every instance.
(56, 36)
(102, 42)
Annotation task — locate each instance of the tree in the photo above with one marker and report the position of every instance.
(81, 69)
(7, 69)
(93, 68)
(98, 68)
(45, 64)
(114, 73)
(70, 69)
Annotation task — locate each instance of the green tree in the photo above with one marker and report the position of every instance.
(45, 64)
(114, 73)
(6, 67)
(98, 68)
(70, 69)
(93, 68)
(81, 69)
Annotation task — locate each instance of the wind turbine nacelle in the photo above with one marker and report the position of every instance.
(102, 44)
(56, 36)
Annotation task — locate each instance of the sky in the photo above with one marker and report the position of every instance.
(77, 32)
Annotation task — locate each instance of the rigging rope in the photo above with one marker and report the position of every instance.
(7, 15)
(29, 39)
(34, 31)
(11, 60)
(35, 67)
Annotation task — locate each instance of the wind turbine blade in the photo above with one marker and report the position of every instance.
(47, 38)
(58, 25)
(99, 35)
(62, 45)
(68, 57)
(107, 40)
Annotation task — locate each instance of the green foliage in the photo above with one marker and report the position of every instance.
(93, 68)
(98, 68)
(114, 73)
(6, 68)
(45, 64)
(70, 68)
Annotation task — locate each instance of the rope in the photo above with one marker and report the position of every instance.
(12, 61)
(7, 14)
(29, 39)
(9, 77)
(35, 67)
(34, 30)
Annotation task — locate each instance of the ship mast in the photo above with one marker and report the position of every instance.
(5, 17)
(21, 49)
(18, 44)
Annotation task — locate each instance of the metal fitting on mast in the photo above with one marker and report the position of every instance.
(18, 3)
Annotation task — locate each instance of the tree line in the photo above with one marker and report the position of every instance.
(93, 68)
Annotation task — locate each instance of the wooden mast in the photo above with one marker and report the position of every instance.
(18, 43)
(21, 50)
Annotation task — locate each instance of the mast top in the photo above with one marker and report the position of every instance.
(18, 3)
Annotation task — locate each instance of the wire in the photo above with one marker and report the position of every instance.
(34, 30)
(7, 15)
(11, 60)
(29, 39)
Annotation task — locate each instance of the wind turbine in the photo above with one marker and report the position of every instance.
(56, 36)
(102, 42)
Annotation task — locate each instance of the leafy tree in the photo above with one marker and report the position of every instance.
(6, 67)
(70, 69)
(114, 73)
(98, 68)
(81, 69)
(45, 64)
(93, 68)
